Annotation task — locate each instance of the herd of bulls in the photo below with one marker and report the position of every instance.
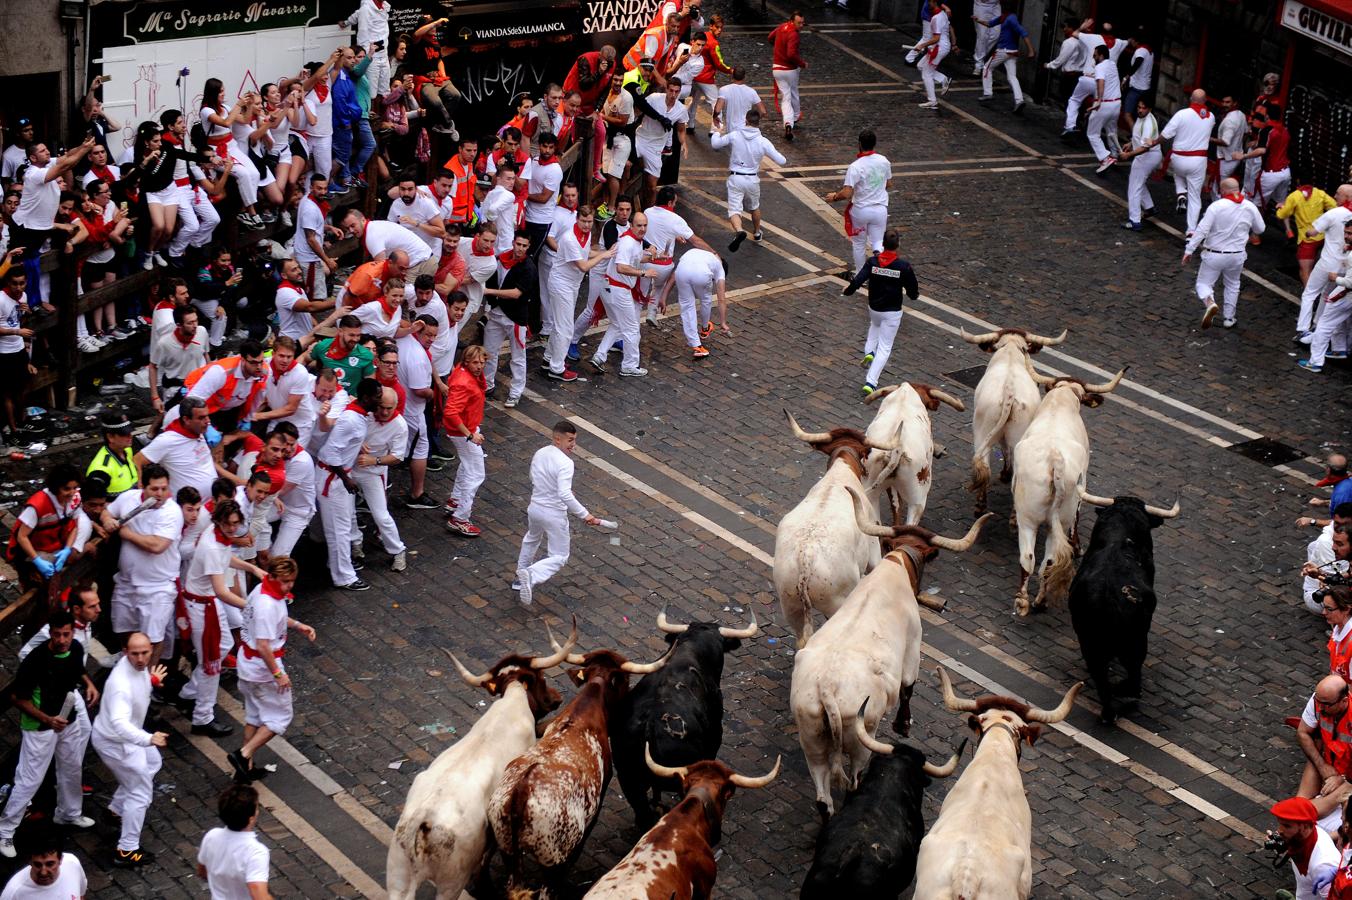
(533, 793)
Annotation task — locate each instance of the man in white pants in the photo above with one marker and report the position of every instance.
(1229, 141)
(748, 148)
(130, 752)
(551, 500)
(573, 259)
(1144, 153)
(940, 43)
(624, 298)
(1333, 226)
(44, 692)
(1223, 234)
(565, 216)
(699, 276)
(666, 229)
(372, 21)
(385, 445)
(146, 584)
(336, 460)
(890, 281)
(513, 301)
(1190, 131)
(1106, 108)
(867, 181)
(200, 223)
(298, 496)
(787, 66)
(1011, 35)
(1333, 318)
(1084, 85)
(654, 137)
(983, 12)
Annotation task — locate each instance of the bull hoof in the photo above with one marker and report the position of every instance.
(823, 811)
(940, 451)
(1021, 606)
(1108, 717)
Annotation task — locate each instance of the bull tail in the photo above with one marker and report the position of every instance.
(836, 731)
(981, 465)
(517, 813)
(1060, 562)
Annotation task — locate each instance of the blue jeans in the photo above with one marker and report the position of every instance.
(342, 152)
(363, 146)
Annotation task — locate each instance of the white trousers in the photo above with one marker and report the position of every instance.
(215, 325)
(374, 487)
(1138, 183)
(1189, 172)
(1332, 325)
(744, 192)
(882, 331)
(1252, 167)
(499, 328)
(1103, 119)
(293, 525)
(597, 289)
(321, 156)
(563, 303)
(1312, 297)
(245, 174)
(1085, 88)
(623, 326)
(1226, 267)
(550, 527)
(870, 222)
(202, 687)
(378, 73)
(468, 476)
(1009, 60)
(1272, 188)
(203, 215)
(786, 84)
(545, 265)
(985, 41)
(148, 609)
(929, 73)
(36, 750)
(338, 514)
(696, 299)
(134, 767)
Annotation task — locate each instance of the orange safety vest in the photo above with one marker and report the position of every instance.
(636, 53)
(1337, 743)
(49, 534)
(462, 194)
(1340, 656)
(216, 402)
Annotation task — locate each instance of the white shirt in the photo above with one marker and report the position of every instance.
(701, 269)
(70, 883)
(689, 69)
(650, 131)
(373, 24)
(748, 148)
(40, 199)
(1188, 130)
(478, 269)
(1319, 552)
(277, 392)
(737, 99)
(123, 705)
(161, 321)
(499, 207)
(1145, 130)
(868, 177)
(665, 227)
(209, 558)
(234, 859)
(565, 277)
(542, 178)
(140, 568)
(1231, 133)
(939, 25)
(14, 157)
(448, 335)
(1090, 42)
(385, 439)
(299, 494)
(344, 442)
(309, 217)
(1226, 225)
(264, 618)
(421, 210)
(386, 237)
(376, 321)
(415, 371)
(10, 318)
(1140, 79)
(1333, 226)
(1072, 56)
(323, 110)
(620, 105)
(629, 253)
(1112, 87)
(187, 459)
(563, 222)
(551, 479)
(290, 322)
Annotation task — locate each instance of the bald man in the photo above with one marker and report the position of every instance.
(1332, 226)
(1325, 736)
(1190, 131)
(1223, 236)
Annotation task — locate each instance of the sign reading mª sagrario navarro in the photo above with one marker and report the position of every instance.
(191, 19)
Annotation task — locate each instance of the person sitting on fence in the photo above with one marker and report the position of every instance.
(42, 539)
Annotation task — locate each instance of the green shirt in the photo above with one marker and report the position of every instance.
(358, 363)
(362, 85)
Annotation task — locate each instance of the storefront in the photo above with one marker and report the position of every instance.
(1318, 87)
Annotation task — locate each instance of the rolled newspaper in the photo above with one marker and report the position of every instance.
(608, 524)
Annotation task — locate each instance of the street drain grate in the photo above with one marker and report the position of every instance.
(970, 377)
(1267, 451)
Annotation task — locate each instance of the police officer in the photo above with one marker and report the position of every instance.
(115, 458)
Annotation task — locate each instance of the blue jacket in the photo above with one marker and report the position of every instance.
(346, 109)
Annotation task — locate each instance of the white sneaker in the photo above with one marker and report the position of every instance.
(286, 219)
(948, 83)
(634, 373)
(77, 822)
(523, 587)
(400, 562)
(1307, 337)
(930, 105)
(1228, 323)
(358, 551)
(652, 314)
(87, 344)
(7, 848)
(1209, 313)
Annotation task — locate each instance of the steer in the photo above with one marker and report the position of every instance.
(550, 796)
(869, 648)
(981, 845)
(903, 421)
(819, 554)
(1051, 463)
(678, 710)
(675, 859)
(868, 850)
(442, 835)
(1112, 598)
(1004, 401)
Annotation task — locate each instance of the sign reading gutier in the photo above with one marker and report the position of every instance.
(182, 19)
(1319, 26)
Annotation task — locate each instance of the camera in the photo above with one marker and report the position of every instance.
(1275, 846)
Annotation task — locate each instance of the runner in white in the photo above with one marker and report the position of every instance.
(747, 148)
(1144, 153)
(146, 584)
(1189, 130)
(665, 230)
(298, 497)
(551, 500)
(232, 860)
(940, 43)
(572, 261)
(699, 276)
(624, 298)
(336, 460)
(867, 181)
(386, 443)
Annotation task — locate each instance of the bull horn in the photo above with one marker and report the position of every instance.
(1108, 386)
(881, 392)
(1169, 513)
(746, 781)
(573, 659)
(560, 653)
(864, 521)
(469, 678)
(1042, 341)
(1044, 380)
(979, 338)
(660, 770)
(811, 437)
(634, 668)
(666, 626)
(963, 544)
(945, 397)
(1095, 501)
(741, 633)
(1056, 715)
(947, 768)
(872, 744)
(951, 699)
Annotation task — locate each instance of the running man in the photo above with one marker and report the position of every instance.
(551, 499)
(748, 148)
(867, 181)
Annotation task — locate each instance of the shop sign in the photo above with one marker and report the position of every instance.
(194, 19)
(617, 15)
(1318, 26)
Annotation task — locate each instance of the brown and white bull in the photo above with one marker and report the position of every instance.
(903, 423)
(869, 648)
(550, 796)
(1004, 401)
(675, 859)
(819, 554)
(442, 835)
(980, 847)
(1051, 464)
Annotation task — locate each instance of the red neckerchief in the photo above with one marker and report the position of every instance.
(176, 427)
(1145, 47)
(1306, 190)
(183, 343)
(1347, 205)
(334, 346)
(563, 205)
(389, 310)
(1108, 40)
(380, 4)
(583, 237)
(322, 89)
(508, 259)
(164, 304)
(1200, 109)
(629, 233)
(886, 258)
(548, 160)
(220, 535)
(170, 138)
(103, 173)
(322, 204)
(476, 252)
(432, 189)
(1300, 853)
(1235, 198)
(271, 587)
(354, 405)
(1330, 480)
(277, 376)
(863, 153)
(295, 287)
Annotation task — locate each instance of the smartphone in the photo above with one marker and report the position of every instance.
(379, 45)
(106, 78)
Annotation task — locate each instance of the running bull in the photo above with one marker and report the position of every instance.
(903, 422)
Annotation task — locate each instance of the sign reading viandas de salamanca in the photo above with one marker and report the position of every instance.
(617, 15)
(192, 19)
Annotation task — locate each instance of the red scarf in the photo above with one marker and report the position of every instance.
(629, 233)
(170, 138)
(380, 4)
(1108, 41)
(1200, 109)
(271, 587)
(547, 160)
(583, 237)
(1235, 198)
(1306, 190)
(886, 258)
(1330, 480)
(354, 405)
(322, 204)
(104, 173)
(164, 304)
(220, 536)
(1300, 853)
(184, 344)
(508, 259)
(295, 287)
(177, 427)
(322, 90)
(334, 346)
(277, 376)
(389, 310)
(862, 153)
(477, 252)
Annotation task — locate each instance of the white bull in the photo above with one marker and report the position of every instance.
(869, 648)
(980, 848)
(819, 553)
(1051, 464)
(442, 835)
(903, 421)
(1004, 401)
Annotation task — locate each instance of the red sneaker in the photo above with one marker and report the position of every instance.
(699, 352)
(461, 527)
(707, 330)
(452, 503)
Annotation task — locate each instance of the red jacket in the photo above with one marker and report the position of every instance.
(785, 39)
(713, 61)
(464, 402)
(597, 86)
